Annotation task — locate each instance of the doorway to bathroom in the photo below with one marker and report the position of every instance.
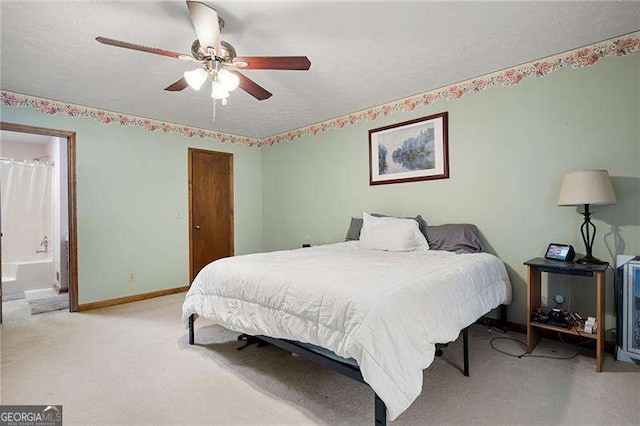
(37, 221)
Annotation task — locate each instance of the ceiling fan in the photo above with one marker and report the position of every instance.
(218, 58)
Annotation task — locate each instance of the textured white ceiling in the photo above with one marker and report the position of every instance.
(362, 53)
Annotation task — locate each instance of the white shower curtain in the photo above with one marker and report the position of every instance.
(27, 209)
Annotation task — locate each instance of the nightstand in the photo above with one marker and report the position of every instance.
(539, 265)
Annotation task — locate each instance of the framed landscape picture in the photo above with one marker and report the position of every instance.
(409, 151)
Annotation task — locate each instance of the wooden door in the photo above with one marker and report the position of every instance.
(210, 208)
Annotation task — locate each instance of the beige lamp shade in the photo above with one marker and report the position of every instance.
(587, 187)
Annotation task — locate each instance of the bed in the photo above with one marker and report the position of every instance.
(380, 314)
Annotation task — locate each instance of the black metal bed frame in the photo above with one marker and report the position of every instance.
(345, 368)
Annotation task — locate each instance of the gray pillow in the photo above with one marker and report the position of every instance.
(353, 233)
(456, 237)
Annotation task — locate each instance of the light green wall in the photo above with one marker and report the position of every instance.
(509, 149)
(131, 184)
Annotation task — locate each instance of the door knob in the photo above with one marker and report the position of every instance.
(197, 226)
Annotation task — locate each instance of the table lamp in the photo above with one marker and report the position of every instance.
(588, 187)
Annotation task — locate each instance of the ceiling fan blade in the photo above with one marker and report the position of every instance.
(205, 22)
(141, 48)
(177, 86)
(301, 63)
(252, 88)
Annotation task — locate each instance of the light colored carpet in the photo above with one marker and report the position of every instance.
(131, 364)
(16, 309)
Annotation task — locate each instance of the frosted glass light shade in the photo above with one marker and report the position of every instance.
(196, 78)
(587, 187)
(229, 80)
(218, 91)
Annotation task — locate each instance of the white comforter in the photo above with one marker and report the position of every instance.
(386, 310)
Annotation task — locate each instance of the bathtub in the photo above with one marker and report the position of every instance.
(27, 275)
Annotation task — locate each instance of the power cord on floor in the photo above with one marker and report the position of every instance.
(525, 354)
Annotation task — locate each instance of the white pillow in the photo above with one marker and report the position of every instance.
(391, 234)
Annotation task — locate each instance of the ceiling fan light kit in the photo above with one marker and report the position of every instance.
(196, 78)
(229, 81)
(218, 91)
(218, 59)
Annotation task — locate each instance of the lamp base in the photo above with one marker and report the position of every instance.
(590, 260)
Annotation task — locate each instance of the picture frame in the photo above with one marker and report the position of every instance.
(410, 151)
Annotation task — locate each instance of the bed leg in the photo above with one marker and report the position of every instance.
(503, 317)
(380, 412)
(465, 345)
(192, 333)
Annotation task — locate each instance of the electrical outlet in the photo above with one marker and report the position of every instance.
(132, 277)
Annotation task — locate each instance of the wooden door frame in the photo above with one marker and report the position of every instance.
(228, 155)
(73, 224)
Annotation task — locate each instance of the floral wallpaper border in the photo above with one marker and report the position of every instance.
(49, 106)
(577, 58)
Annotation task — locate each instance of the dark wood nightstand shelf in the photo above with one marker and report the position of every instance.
(539, 265)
